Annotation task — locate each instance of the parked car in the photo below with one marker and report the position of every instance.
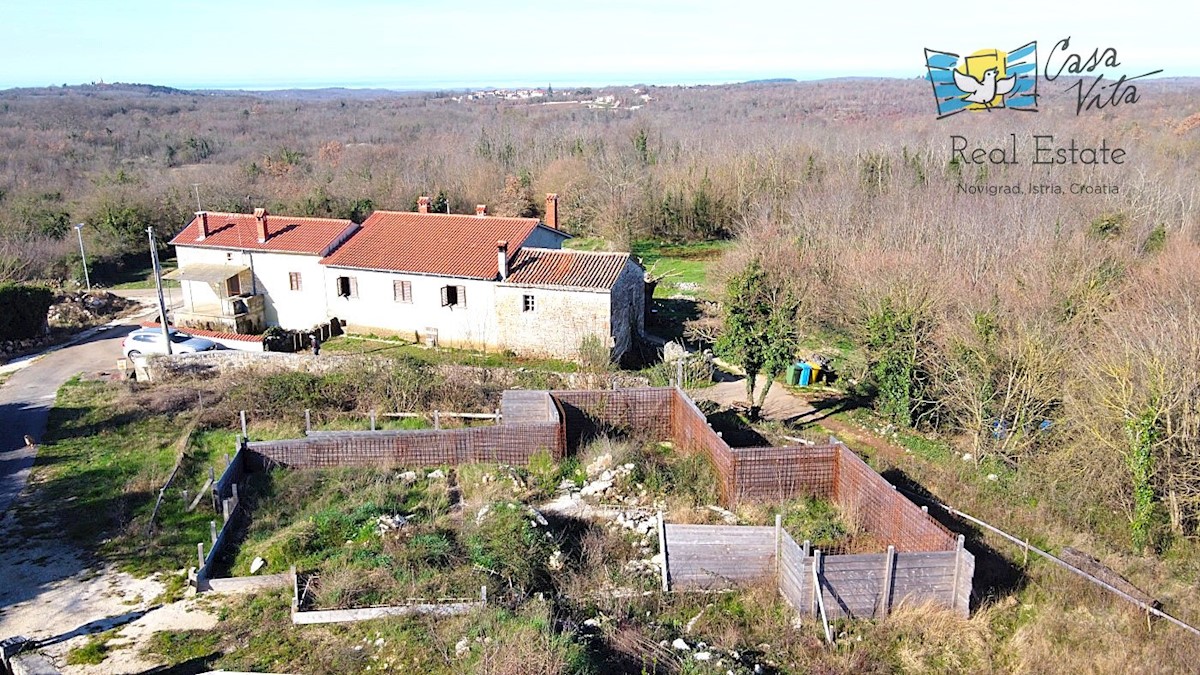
(150, 341)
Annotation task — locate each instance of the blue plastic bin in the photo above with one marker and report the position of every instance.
(805, 374)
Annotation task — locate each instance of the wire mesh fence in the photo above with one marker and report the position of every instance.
(560, 422)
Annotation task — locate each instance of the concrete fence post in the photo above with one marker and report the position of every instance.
(244, 434)
(483, 594)
(200, 554)
(295, 591)
(226, 509)
(212, 531)
(662, 550)
(307, 421)
(778, 546)
(816, 581)
(958, 549)
(889, 572)
(372, 420)
(437, 420)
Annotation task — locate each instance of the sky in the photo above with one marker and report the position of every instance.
(272, 44)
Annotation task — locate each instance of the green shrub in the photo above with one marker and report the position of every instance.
(511, 549)
(23, 310)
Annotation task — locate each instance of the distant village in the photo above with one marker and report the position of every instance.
(633, 99)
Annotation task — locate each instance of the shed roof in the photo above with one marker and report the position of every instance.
(571, 269)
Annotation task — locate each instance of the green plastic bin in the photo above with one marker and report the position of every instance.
(793, 374)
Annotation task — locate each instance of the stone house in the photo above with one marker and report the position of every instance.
(480, 282)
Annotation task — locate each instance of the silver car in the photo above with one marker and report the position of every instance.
(150, 341)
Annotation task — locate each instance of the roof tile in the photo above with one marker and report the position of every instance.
(286, 234)
(431, 243)
(571, 269)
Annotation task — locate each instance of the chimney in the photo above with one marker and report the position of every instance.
(502, 259)
(551, 218)
(422, 204)
(202, 218)
(260, 218)
(481, 210)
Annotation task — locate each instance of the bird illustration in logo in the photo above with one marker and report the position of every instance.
(986, 90)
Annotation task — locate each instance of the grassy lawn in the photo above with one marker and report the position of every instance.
(686, 264)
(134, 278)
(104, 458)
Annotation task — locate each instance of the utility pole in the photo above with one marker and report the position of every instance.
(83, 255)
(162, 305)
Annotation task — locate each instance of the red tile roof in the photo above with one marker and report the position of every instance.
(431, 243)
(197, 332)
(573, 269)
(285, 234)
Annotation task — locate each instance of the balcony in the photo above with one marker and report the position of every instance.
(243, 314)
(213, 300)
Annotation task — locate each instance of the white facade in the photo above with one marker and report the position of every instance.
(469, 324)
(269, 276)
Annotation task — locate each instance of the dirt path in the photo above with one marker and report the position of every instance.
(780, 405)
(50, 591)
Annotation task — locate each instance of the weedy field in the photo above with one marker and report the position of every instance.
(566, 593)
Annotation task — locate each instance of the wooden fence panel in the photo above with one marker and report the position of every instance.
(716, 556)
(795, 573)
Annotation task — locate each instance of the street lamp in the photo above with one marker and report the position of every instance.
(83, 255)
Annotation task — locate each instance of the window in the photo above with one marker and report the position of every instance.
(402, 291)
(454, 296)
(233, 286)
(528, 303)
(347, 287)
(294, 281)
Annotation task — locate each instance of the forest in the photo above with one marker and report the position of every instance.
(1055, 332)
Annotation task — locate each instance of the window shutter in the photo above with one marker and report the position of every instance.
(343, 287)
(398, 291)
(445, 296)
(354, 287)
(462, 296)
(407, 291)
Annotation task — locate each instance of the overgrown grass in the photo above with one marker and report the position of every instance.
(379, 537)
(98, 473)
(395, 348)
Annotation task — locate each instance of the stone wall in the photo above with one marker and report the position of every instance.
(627, 308)
(559, 322)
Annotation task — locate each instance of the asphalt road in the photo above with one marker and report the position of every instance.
(27, 396)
